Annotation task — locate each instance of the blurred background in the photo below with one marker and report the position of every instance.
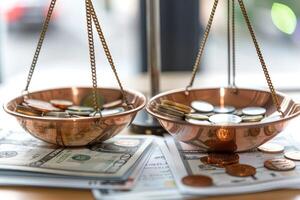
(64, 57)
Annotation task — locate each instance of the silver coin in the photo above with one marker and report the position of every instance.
(202, 106)
(197, 122)
(225, 119)
(254, 111)
(224, 109)
(107, 112)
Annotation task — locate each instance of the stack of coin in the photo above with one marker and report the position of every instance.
(220, 159)
(204, 113)
(61, 108)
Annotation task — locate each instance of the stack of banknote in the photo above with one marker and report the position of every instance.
(113, 164)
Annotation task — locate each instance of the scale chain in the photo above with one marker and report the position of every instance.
(202, 45)
(40, 44)
(260, 56)
(107, 51)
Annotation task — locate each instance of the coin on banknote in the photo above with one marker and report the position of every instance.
(112, 104)
(196, 116)
(279, 164)
(197, 181)
(178, 106)
(254, 111)
(252, 118)
(225, 119)
(293, 155)
(60, 103)
(88, 100)
(224, 109)
(197, 122)
(240, 170)
(202, 106)
(26, 110)
(271, 148)
(127, 142)
(222, 159)
(40, 105)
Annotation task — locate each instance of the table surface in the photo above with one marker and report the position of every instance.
(169, 81)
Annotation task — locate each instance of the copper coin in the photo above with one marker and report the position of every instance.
(271, 148)
(27, 110)
(293, 155)
(222, 159)
(279, 164)
(240, 170)
(197, 181)
(42, 106)
(62, 104)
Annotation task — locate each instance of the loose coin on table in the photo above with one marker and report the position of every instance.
(225, 119)
(202, 106)
(293, 155)
(271, 148)
(197, 181)
(240, 170)
(224, 109)
(279, 164)
(42, 106)
(254, 111)
(62, 104)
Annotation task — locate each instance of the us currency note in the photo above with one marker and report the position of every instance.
(188, 163)
(156, 180)
(112, 159)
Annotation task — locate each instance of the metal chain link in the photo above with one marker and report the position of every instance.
(260, 56)
(233, 44)
(39, 45)
(228, 45)
(92, 54)
(107, 51)
(202, 45)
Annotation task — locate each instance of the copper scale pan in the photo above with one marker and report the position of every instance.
(76, 131)
(230, 138)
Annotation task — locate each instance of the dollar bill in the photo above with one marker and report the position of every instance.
(112, 159)
(156, 181)
(188, 163)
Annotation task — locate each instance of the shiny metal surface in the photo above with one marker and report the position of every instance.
(76, 131)
(231, 138)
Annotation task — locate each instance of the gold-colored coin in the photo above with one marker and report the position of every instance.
(279, 164)
(197, 181)
(196, 116)
(255, 118)
(179, 106)
(62, 104)
(171, 109)
(271, 148)
(293, 155)
(240, 170)
(40, 105)
(113, 104)
(27, 110)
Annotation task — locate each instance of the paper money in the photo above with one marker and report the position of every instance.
(156, 181)
(112, 159)
(188, 163)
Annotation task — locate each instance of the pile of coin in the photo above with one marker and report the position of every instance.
(230, 161)
(204, 113)
(61, 108)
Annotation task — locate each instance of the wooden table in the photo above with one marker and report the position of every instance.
(31, 193)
